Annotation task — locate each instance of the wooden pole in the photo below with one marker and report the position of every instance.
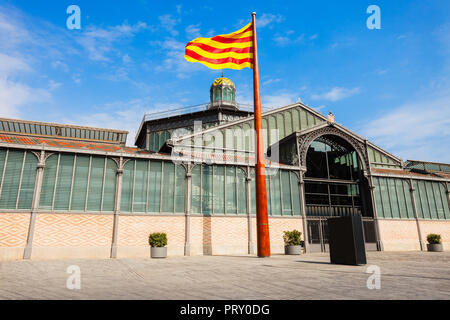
(262, 218)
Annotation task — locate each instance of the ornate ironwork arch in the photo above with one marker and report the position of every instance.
(305, 141)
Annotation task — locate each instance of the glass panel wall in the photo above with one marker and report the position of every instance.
(154, 186)
(28, 181)
(17, 178)
(64, 181)
(276, 125)
(78, 183)
(11, 179)
(228, 194)
(430, 198)
(180, 189)
(241, 192)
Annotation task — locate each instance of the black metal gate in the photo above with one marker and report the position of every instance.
(318, 234)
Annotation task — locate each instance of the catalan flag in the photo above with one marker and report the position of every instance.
(227, 51)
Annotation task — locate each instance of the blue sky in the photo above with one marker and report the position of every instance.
(390, 85)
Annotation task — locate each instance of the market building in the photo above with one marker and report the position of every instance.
(79, 192)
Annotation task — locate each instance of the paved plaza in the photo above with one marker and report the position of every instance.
(405, 275)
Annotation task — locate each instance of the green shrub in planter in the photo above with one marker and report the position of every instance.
(157, 240)
(434, 243)
(433, 238)
(292, 238)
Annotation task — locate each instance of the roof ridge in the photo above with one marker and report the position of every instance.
(238, 121)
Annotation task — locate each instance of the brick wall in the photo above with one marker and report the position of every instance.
(277, 226)
(133, 232)
(219, 235)
(13, 235)
(72, 236)
(440, 227)
(399, 235)
(59, 236)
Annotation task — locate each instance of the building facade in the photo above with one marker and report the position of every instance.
(79, 192)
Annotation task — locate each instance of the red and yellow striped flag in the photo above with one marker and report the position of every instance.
(227, 51)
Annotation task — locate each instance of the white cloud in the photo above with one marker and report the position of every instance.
(336, 93)
(193, 30)
(267, 19)
(279, 100)
(52, 85)
(169, 23)
(175, 61)
(418, 130)
(121, 115)
(12, 31)
(14, 95)
(270, 81)
(10, 65)
(76, 78)
(98, 42)
(281, 40)
(60, 65)
(319, 108)
(288, 38)
(344, 42)
(126, 59)
(381, 71)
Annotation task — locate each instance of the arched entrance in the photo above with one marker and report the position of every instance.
(335, 186)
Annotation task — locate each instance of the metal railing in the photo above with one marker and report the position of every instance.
(190, 109)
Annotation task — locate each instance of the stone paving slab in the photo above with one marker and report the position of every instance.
(404, 275)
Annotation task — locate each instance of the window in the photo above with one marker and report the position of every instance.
(168, 186)
(286, 193)
(140, 186)
(154, 193)
(275, 192)
(295, 194)
(28, 181)
(96, 184)
(64, 182)
(180, 187)
(230, 190)
(79, 191)
(12, 179)
(219, 189)
(206, 189)
(109, 188)
(196, 189)
(127, 186)
(241, 192)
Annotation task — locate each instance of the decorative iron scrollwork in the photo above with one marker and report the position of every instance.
(305, 141)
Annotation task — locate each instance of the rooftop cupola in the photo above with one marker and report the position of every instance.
(223, 94)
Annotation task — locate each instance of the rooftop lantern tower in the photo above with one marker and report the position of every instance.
(223, 94)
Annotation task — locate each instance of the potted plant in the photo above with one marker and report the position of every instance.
(292, 242)
(158, 242)
(434, 243)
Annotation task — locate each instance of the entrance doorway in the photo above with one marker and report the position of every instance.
(318, 234)
(335, 187)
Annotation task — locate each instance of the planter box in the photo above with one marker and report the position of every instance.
(293, 250)
(158, 252)
(435, 247)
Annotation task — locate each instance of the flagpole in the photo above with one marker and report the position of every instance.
(262, 218)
